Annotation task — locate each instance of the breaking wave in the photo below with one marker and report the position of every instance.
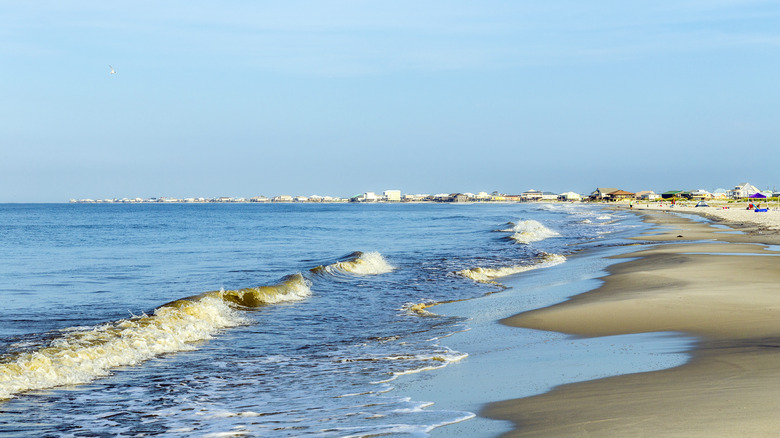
(530, 231)
(358, 263)
(80, 355)
(487, 275)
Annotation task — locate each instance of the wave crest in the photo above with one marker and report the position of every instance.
(291, 288)
(83, 354)
(358, 263)
(530, 231)
(487, 275)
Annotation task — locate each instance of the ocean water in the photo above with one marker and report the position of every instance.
(254, 319)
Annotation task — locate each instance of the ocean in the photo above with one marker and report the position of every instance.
(256, 319)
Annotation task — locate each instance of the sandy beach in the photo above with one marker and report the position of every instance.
(690, 277)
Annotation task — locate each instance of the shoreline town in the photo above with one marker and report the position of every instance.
(611, 194)
(714, 280)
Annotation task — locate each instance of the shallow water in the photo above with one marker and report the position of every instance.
(508, 362)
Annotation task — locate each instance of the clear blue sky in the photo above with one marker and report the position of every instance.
(245, 98)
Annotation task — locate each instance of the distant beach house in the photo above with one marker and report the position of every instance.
(365, 197)
(417, 198)
(391, 195)
(569, 196)
(602, 193)
(720, 193)
(700, 194)
(531, 195)
(458, 197)
(672, 194)
(743, 190)
(620, 195)
(647, 195)
(482, 196)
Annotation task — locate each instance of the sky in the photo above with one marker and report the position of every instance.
(246, 98)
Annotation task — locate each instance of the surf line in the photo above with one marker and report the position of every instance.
(81, 355)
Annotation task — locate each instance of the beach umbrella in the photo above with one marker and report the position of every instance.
(756, 196)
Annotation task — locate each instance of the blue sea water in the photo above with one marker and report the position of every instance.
(253, 319)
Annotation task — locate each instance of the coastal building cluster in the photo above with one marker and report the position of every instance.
(743, 190)
(740, 191)
(386, 196)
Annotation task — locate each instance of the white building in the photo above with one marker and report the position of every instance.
(743, 190)
(569, 196)
(483, 196)
(366, 197)
(391, 195)
(531, 195)
(648, 195)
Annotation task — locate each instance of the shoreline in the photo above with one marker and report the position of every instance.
(504, 362)
(687, 277)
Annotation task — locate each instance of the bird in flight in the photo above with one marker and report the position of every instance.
(112, 70)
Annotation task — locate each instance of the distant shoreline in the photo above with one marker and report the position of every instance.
(341, 201)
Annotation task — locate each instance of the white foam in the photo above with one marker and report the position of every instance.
(368, 263)
(83, 355)
(433, 362)
(531, 231)
(486, 275)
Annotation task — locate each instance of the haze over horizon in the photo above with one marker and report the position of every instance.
(336, 98)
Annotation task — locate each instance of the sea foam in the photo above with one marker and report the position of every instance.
(486, 275)
(358, 263)
(530, 231)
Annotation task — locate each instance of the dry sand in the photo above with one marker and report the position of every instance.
(723, 288)
(735, 213)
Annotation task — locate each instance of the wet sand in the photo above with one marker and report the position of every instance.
(691, 278)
